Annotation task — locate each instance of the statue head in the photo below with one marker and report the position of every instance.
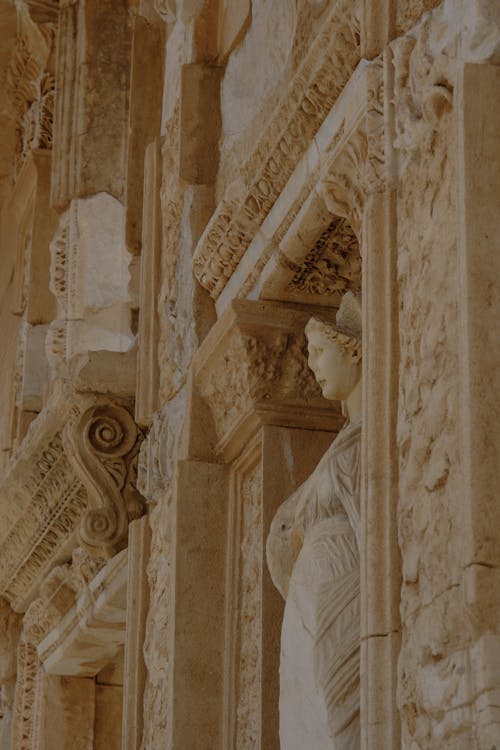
(335, 351)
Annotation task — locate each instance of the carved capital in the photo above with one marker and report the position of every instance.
(252, 369)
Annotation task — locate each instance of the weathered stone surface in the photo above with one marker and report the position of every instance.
(183, 184)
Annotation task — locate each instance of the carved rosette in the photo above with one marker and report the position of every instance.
(103, 449)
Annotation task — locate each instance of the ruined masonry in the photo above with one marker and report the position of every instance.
(184, 184)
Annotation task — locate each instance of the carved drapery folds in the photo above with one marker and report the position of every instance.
(73, 478)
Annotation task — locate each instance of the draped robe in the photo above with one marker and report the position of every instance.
(319, 663)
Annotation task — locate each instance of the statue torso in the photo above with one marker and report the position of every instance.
(319, 672)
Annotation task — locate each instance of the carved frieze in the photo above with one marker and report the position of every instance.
(244, 608)
(319, 80)
(73, 478)
(344, 164)
(252, 369)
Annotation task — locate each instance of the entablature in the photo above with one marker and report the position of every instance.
(318, 208)
(325, 70)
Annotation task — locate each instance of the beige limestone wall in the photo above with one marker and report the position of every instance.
(431, 508)
(228, 69)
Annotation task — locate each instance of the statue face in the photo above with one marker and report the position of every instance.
(333, 368)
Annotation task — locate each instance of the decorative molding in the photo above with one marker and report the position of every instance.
(326, 68)
(242, 710)
(73, 476)
(27, 710)
(355, 166)
(252, 369)
(89, 634)
(139, 550)
(146, 400)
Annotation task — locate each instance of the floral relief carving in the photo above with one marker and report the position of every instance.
(356, 166)
(257, 369)
(332, 267)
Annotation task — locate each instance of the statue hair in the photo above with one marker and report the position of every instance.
(348, 344)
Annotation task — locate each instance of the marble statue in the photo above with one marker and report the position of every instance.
(313, 557)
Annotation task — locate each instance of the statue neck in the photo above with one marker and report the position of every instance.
(352, 404)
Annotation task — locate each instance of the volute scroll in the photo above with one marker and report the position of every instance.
(103, 447)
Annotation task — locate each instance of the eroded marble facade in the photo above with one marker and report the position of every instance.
(183, 184)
